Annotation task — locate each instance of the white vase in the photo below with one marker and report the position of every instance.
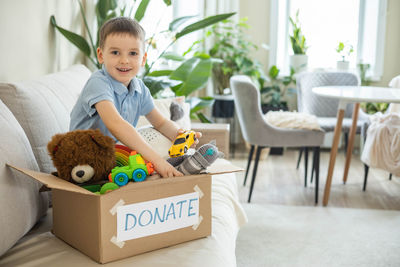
(299, 62)
(342, 65)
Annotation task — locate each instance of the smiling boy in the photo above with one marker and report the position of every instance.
(113, 98)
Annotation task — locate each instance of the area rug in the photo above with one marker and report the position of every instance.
(278, 235)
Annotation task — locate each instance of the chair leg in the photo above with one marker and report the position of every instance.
(305, 165)
(313, 168)
(366, 169)
(248, 163)
(259, 148)
(316, 168)
(299, 159)
(390, 177)
(346, 142)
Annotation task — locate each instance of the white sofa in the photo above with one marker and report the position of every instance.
(31, 113)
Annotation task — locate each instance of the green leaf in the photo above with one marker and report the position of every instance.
(167, 2)
(203, 118)
(141, 10)
(273, 72)
(182, 72)
(203, 23)
(104, 6)
(158, 73)
(173, 26)
(202, 103)
(173, 56)
(74, 38)
(157, 84)
(197, 78)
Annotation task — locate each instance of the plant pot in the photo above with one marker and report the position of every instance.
(342, 65)
(223, 106)
(299, 62)
(266, 107)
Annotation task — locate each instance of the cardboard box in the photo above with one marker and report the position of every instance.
(135, 218)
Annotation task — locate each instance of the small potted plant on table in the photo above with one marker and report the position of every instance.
(344, 50)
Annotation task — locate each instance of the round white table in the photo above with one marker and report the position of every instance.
(346, 95)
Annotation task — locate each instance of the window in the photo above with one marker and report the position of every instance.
(325, 23)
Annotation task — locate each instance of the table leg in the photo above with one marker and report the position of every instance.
(332, 158)
(350, 144)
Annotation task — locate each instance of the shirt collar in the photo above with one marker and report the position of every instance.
(120, 88)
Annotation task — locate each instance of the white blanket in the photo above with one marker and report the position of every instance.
(382, 147)
(294, 120)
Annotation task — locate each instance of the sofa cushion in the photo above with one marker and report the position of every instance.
(21, 203)
(43, 107)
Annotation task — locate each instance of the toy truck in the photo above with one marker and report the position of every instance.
(137, 170)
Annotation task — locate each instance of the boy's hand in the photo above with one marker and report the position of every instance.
(197, 134)
(164, 169)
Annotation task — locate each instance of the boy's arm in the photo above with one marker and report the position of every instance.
(127, 134)
(165, 126)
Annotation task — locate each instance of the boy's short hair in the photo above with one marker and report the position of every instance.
(121, 25)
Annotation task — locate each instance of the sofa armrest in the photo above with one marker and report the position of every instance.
(214, 131)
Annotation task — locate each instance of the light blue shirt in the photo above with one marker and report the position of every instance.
(130, 102)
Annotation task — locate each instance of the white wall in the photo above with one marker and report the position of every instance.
(29, 45)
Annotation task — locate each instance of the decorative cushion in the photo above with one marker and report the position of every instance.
(164, 106)
(43, 106)
(156, 140)
(294, 120)
(21, 203)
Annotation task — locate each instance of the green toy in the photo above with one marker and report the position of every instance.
(138, 169)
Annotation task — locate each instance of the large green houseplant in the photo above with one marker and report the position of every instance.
(274, 93)
(234, 48)
(191, 74)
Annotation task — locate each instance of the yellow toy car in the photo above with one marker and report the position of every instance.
(182, 143)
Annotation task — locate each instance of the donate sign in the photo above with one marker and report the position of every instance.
(157, 216)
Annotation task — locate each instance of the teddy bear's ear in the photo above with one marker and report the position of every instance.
(101, 140)
(54, 144)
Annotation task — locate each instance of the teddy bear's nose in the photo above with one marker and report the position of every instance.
(80, 173)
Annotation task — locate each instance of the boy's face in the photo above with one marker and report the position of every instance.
(123, 55)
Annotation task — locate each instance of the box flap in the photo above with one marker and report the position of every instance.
(221, 166)
(52, 181)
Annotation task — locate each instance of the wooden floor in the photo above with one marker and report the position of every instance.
(278, 182)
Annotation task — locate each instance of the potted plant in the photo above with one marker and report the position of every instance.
(344, 50)
(369, 108)
(191, 74)
(233, 47)
(299, 59)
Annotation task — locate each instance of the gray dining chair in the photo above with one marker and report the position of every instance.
(325, 109)
(260, 134)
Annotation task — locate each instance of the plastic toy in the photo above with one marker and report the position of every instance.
(182, 143)
(101, 189)
(199, 161)
(138, 169)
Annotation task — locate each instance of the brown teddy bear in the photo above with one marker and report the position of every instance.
(82, 155)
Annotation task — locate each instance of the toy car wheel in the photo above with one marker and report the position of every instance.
(121, 179)
(139, 175)
(185, 150)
